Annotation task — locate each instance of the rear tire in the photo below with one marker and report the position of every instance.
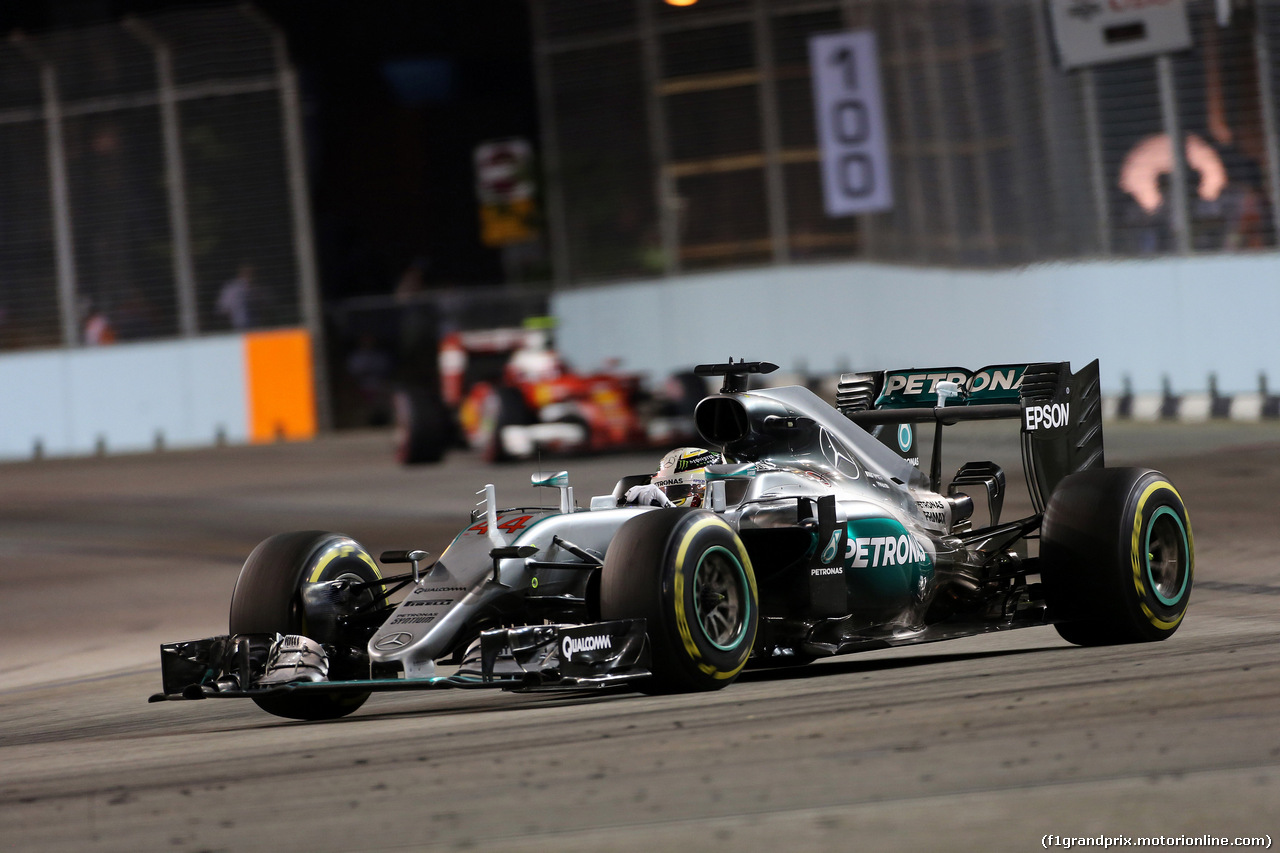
(268, 600)
(688, 574)
(1117, 557)
(423, 427)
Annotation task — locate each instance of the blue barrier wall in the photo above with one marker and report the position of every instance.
(1183, 318)
(123, 398)
(129, 397)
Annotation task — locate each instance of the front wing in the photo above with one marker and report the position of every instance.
(534, 657)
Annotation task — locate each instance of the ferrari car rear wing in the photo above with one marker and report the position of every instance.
(1060, 411)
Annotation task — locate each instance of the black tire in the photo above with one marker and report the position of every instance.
(267, 600)
(688, 574)
(424, 427)
(505, 406)
(1117, 557)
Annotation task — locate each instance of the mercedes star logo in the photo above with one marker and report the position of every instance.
(394, 641)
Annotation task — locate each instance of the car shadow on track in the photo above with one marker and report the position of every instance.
(512, 701)
(420, 706)
(850, 664)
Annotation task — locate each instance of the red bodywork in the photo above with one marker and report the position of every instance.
(605, 403)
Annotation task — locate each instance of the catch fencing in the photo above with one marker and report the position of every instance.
(151, 182)
(682, 138)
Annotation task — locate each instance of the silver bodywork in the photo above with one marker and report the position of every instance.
(869, 482)
(463, 582)
(846, 544)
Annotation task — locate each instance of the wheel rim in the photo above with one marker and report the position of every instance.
(1167, 556)
(366, 598)
(720, 598)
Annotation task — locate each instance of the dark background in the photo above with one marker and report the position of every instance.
(396, 94)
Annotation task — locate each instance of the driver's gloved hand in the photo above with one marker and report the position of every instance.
(649, 495)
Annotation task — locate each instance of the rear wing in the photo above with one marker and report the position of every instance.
(1060, 412)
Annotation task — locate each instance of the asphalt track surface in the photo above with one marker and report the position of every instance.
(982, 744)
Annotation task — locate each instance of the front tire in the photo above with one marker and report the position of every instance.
(1117, 557)
(687, 573)
(268, 600)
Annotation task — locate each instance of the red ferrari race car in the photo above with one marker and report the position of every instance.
(509, 394)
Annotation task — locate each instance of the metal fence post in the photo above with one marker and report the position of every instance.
(304, 244)
(175, 177)
(558, 236)
(1266, 94)
(1177, 195)
(980, 138)
(300, 207)
(60, 203)
(664, 184)
(909, 147)
(1014, 112)
(771, 134)
(852, 15)
(1053, 143)
(940, 144)
(1097, 170)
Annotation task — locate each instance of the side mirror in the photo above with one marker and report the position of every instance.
(558, 480)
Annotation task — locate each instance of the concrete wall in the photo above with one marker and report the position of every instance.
(1178, 317)
(133, 397)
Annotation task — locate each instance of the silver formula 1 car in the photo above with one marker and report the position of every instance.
(818, 535)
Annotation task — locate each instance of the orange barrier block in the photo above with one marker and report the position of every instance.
(281, 385)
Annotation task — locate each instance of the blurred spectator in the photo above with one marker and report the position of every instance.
(97, 328)
(1249, 222)
(237, 298)
(534, 361)
(1149, 231)
(1246, 210)
(413, 280)
(1238, 217)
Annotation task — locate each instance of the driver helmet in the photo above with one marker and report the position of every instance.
(682, 474)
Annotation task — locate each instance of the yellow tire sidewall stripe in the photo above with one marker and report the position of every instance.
(1137, 552)
(332, 552)
(342, 549)
(682, 618)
